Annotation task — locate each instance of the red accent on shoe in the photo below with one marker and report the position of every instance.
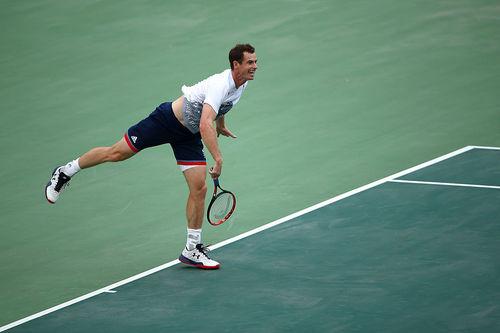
(50, 202)
(186, 261)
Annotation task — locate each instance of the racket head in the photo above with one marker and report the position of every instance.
(221, 207)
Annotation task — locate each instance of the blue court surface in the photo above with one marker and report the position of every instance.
(417, 251)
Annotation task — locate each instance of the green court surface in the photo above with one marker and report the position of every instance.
(346, 94)
(393, 257)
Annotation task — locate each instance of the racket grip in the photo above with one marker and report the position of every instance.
(216, 182)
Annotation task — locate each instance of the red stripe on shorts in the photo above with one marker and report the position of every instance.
(135, 150)
(191, 162)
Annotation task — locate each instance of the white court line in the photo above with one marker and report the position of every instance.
(343, 196)
(443, 184)
(244, 235)
(483, 147)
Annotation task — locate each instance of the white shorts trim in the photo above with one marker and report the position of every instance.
(187, 167)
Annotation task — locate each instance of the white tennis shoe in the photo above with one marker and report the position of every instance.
(56, 185)
(198, 257)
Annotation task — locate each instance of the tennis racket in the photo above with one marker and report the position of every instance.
(221, 206)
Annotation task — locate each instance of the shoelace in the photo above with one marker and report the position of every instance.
(203, 249)
(62, 182)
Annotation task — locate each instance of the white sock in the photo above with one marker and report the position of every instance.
(193, 238)
(71, 168)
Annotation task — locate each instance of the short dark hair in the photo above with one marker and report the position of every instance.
(236, 53)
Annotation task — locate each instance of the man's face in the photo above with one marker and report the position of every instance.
(246, 70)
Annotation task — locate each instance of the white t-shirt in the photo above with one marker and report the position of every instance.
(218, 90)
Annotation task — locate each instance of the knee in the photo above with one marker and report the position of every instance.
(199, 191)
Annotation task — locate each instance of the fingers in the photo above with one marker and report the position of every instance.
(229, 133)
(225, 132)
(215, 172)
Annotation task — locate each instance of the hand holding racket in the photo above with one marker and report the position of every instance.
(221, 206)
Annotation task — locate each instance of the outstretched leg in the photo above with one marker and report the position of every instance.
(120, 151)
(61, 175)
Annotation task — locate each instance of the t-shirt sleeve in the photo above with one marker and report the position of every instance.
(215, 93)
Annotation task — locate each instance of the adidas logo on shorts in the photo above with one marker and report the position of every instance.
(134, 139)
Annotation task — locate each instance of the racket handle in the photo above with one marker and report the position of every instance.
(216, 182)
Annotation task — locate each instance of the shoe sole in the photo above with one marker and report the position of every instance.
(186, 261)
(46, 197)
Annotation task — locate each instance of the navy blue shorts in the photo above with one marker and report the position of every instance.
(162, 127)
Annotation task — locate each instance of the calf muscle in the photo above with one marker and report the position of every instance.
(120, 151)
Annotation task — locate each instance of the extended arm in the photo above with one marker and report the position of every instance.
(209, 137)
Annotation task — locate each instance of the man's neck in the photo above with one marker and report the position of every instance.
(238, 81)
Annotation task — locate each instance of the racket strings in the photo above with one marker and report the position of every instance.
(221, 206)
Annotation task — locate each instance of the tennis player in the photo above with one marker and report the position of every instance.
(186, 124)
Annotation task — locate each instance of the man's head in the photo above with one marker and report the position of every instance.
(243, 61)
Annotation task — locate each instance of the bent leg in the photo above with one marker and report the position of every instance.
(118, 152)
(195, 208)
